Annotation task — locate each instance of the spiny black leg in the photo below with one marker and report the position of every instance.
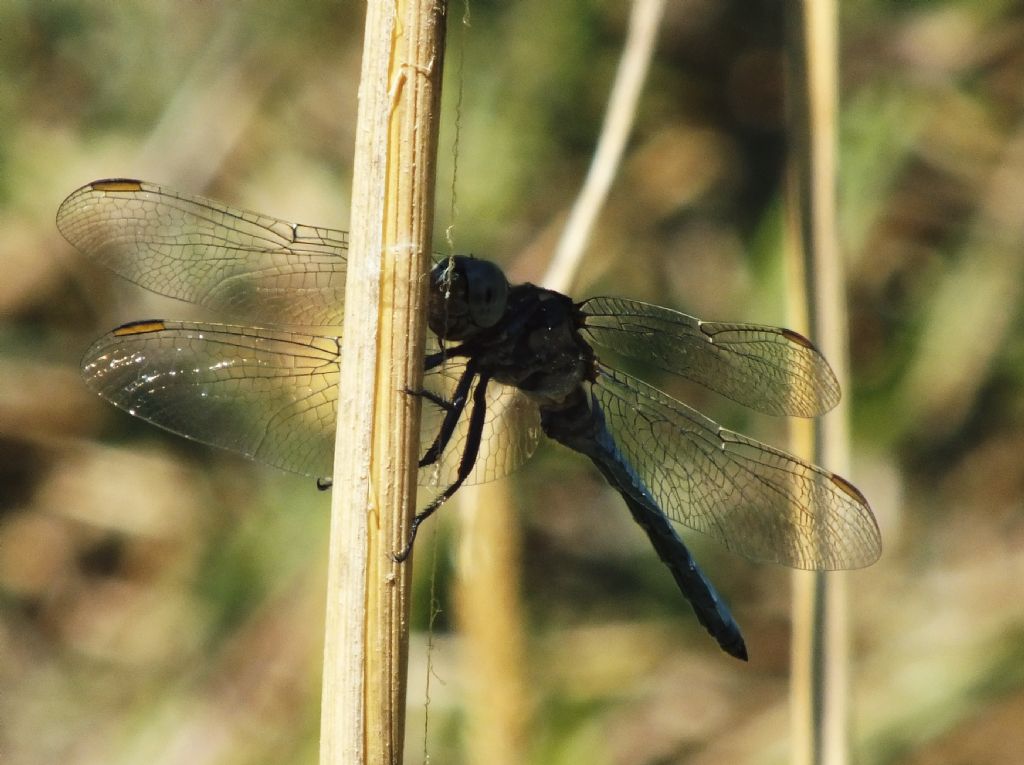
(432, 361)
(473, 435)
(435, 360)
(451, 418)
(437, 400)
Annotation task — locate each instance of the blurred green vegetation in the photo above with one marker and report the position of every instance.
(162, 602)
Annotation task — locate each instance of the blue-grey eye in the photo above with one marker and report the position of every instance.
(487, 292)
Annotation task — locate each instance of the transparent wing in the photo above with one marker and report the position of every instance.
(272, 396)
(757, 501)
(248, 266)
(511, 430)
(269, 395)
(770, 369)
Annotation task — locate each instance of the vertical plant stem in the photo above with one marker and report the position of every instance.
(644, 22)
(366, 641)
(819, 682)
(490, 619)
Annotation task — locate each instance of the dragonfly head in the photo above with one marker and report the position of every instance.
(466, 295)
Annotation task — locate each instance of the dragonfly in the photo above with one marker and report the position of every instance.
(506, 365)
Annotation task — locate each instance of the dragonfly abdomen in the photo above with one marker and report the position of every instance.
(580, 426)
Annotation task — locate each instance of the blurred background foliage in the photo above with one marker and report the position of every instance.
(161, 602)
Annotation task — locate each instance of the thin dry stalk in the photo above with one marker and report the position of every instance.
(819, 681)
(366, 642)
(489, 609)
(490, 612)
(620, 115)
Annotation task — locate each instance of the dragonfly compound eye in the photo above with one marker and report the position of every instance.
(488, 292)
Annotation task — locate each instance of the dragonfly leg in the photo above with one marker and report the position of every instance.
(437, 400)
(434, 360)
(453, 411)
(473, 435)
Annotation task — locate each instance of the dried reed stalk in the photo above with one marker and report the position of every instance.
(817, 305)
(366, 642)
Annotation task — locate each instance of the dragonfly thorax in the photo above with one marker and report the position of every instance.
(537, 347)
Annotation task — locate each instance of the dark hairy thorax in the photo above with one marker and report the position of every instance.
(536, 346)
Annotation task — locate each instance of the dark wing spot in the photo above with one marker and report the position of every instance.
(848, 488)
(116, 184)
(797, 338)
(139, 327)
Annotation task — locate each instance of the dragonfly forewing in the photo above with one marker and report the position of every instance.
(247, 266)
(769, 369)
